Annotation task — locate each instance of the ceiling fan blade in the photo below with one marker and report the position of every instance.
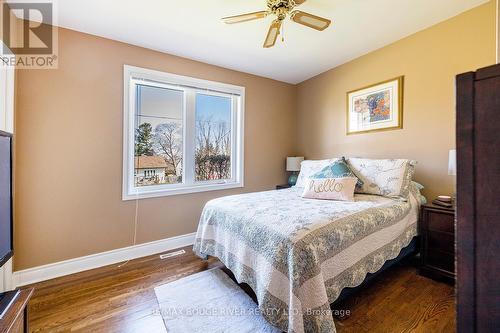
(299, 2)
(244, 17)
(310, 20)
(273, 34)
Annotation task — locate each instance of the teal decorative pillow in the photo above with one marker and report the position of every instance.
(338, 169)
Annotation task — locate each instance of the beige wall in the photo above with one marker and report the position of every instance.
(69, 132)
(69, 151)
(429, 60)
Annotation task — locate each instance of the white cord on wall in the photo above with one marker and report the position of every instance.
(136, 217)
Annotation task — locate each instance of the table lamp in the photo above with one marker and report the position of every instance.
(452, 169)
(293, 165)
(452, 163)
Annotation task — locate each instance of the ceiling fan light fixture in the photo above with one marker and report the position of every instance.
(281, 9)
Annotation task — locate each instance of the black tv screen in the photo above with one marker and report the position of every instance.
(5, 198)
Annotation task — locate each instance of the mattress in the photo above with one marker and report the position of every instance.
(299, 254)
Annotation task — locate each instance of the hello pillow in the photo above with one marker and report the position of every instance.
(341, 189)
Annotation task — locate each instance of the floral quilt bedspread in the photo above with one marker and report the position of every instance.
(298, 254)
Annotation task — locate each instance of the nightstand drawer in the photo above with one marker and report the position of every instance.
(441, 241)
(437, 226)
(441, 260)
(440, 222)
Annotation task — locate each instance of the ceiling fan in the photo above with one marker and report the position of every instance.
(281, 9)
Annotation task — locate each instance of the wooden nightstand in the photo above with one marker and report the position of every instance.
(282, 187)
(437, 230)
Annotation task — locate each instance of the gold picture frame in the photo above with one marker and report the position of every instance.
(377, 107)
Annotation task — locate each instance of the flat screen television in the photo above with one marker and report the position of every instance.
(6, 239)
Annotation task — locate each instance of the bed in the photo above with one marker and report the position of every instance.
(298, 254)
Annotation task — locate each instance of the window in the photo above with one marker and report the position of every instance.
(181, 135)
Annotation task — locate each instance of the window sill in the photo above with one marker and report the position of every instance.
(144, 193)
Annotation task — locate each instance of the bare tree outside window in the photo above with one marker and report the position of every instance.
(159, 137)
(167, 142)
(213, 138)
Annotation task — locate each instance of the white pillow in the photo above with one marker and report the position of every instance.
(330, 188)
(387, 177)
(309, 168)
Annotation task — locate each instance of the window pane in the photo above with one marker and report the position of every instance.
(158, 136)
(213, 137)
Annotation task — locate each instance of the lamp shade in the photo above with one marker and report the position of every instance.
(293, 163)
(452, 163)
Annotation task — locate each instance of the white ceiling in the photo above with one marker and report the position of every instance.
(192, 29)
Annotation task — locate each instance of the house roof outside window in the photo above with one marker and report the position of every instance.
(150, 162)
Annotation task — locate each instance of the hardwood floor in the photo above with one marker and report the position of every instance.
(122, 299)
(401, 301)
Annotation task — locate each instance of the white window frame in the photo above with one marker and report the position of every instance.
(131, 76)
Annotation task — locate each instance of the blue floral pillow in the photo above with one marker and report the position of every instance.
(338, 169)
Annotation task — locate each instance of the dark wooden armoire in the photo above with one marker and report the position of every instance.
(478, 201)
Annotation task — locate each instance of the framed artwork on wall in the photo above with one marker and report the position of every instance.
(378, 107)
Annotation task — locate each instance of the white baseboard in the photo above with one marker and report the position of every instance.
(71, 266)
